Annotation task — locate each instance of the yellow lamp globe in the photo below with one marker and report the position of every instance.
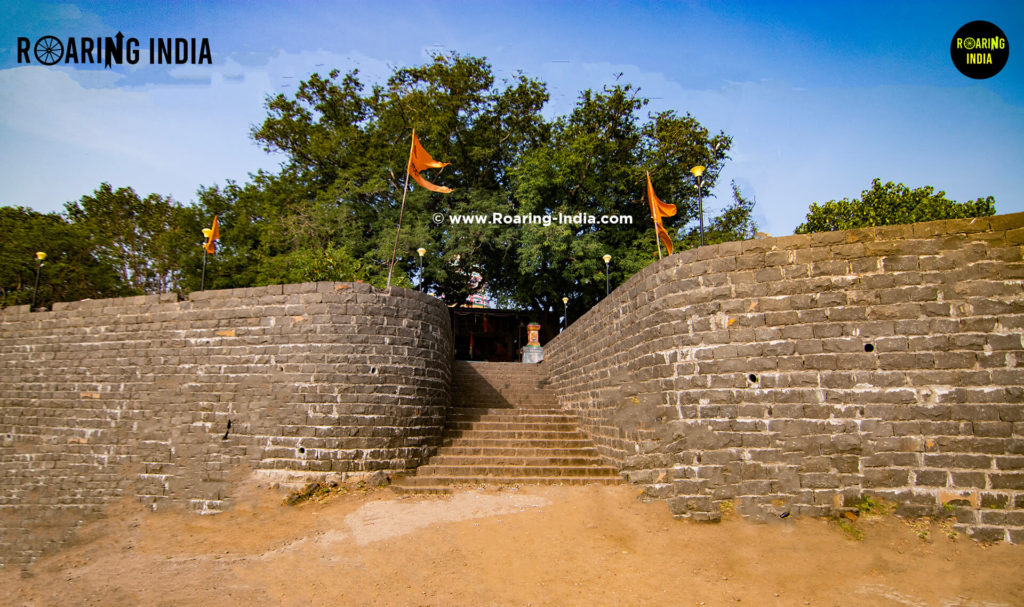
(40, 256)
(697, 171)
(607, 258)
(421, 251)
(207, 232)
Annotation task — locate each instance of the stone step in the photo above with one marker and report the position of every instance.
(534, 420)
(509, 389)
(460, 450)
(416, 482)
(511, 443)
(515, 387)
(499, 385)
(511, 435)
(500, 405)
(476, 471)
(524, 418)
(503, 429)
(497, 403)
(481, 412)
(515, 460)
(511, 426)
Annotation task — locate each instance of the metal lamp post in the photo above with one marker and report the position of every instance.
(565, 313)
(422, 252)
(607, 283)
(202, 281)
(40, 256)
(698, 173)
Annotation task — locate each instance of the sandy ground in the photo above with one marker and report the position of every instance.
(528, 546)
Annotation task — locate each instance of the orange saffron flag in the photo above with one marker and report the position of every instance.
(660, 209)
(419, 160)
(211, 243)
(665, 238)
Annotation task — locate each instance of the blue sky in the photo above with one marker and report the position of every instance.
(819, 97)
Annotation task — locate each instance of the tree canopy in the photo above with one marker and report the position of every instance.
(337, 197)
(71, 270)
(891, 204)
(146, 240)
(331, 211)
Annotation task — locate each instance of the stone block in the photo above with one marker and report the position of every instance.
(931, 478)
(885, 477)
(987, 534)
(1014, 481)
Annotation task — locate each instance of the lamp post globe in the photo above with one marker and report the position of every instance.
(40, 256)
(422, 252)
(698, 174)
(607, 284)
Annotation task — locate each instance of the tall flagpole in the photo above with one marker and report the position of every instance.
(650, 203)
(405, 190)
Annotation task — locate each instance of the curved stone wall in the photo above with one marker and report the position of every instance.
(171, 402)
(798, 374)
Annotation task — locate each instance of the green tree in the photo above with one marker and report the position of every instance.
(70, 271)
(736, 222)
(331, 212)
(143, 239)
(347, 150)
(891, 204)
(595, 161)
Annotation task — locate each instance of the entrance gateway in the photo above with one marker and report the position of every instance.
(486, 335)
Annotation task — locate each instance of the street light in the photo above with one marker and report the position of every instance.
(698, 173)
(565, 313)
(422, 252)
(607, 259)
(207, 232)
(40, 256)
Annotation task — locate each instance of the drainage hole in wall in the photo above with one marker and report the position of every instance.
(302, 449)
(373, 370)
(869, 347)
(752, 378)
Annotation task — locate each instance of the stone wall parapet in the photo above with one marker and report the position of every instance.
(798, 374)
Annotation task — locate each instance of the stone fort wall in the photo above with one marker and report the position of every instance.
(171, 402)
(799, 374)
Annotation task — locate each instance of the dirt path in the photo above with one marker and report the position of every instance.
(533, 546)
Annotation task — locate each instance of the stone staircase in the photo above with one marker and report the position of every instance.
(503, 429)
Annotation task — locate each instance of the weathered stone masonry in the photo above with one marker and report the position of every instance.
(798, 374)
(133, 397)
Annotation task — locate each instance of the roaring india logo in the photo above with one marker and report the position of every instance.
(114, 50)
(979, 50)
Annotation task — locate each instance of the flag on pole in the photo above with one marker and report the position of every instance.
(420, 160)
(659, 210)
(211, 243)
(664, 237)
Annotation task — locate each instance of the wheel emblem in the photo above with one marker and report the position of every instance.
(49, 50)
